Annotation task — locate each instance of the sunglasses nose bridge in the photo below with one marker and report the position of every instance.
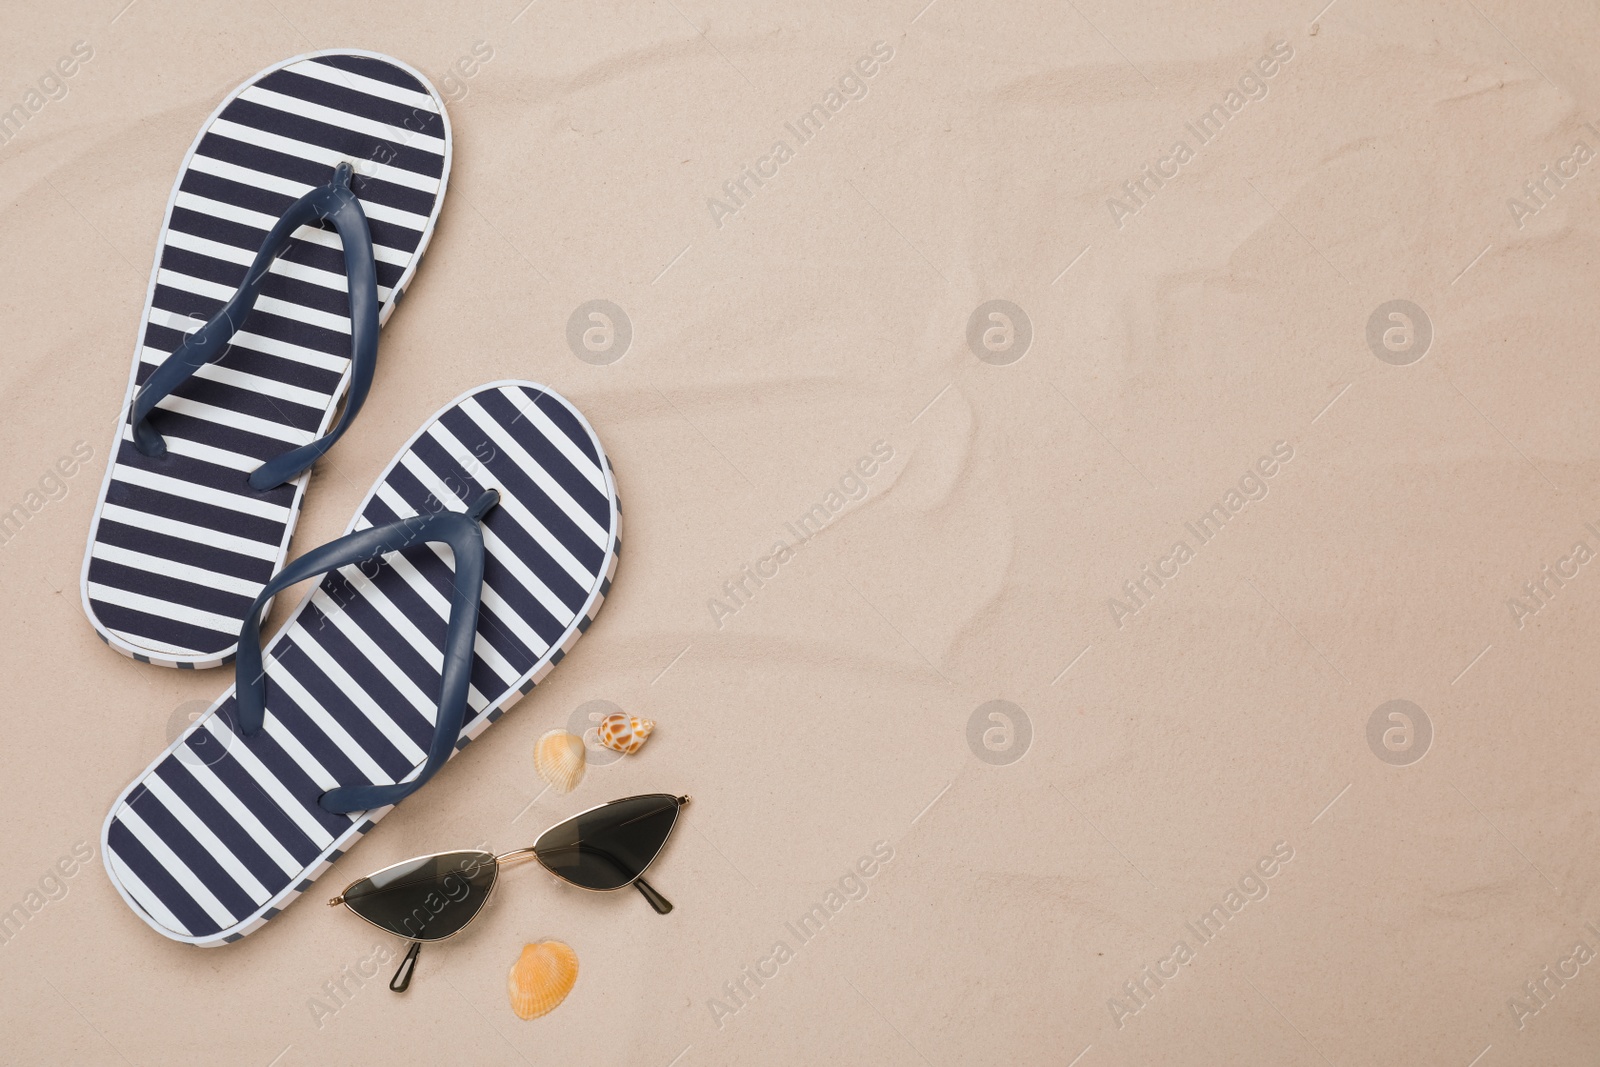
(516, 854)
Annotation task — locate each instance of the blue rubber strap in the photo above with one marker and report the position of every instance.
(333, 203)
(463, 532)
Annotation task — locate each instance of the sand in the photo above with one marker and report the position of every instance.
(1189, 503)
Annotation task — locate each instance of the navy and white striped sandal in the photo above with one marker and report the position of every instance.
(473, 566)
(257, 322)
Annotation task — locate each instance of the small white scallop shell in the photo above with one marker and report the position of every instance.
(558, 757)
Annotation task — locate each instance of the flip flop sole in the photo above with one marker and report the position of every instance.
(180, 544)
(221, 832)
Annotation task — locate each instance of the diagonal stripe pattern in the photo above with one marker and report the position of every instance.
(181, 544)
(221, 831)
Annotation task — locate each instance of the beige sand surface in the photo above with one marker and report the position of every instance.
(1155, 749)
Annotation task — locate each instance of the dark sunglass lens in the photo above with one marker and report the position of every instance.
(426, 899)
(612, 845)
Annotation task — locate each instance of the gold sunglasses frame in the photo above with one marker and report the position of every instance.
(515, 855)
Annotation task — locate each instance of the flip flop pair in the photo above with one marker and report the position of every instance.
(471, 568)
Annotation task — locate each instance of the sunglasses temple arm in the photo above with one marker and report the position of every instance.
(657, 901)
(408, 966)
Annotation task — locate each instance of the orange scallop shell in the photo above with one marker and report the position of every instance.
(559, 758)
(541, 978)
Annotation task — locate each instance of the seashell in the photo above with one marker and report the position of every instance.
(541, 978)
(624, 733)
(558, 757)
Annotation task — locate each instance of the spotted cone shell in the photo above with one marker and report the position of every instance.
(541, 978)
(558, 757)
(624, 733)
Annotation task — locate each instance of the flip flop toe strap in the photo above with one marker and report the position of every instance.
(463, 532)
(334, 203)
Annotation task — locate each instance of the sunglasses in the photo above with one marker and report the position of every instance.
(433, 897)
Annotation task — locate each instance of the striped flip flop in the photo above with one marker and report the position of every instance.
(257, 322)
(394, 661)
